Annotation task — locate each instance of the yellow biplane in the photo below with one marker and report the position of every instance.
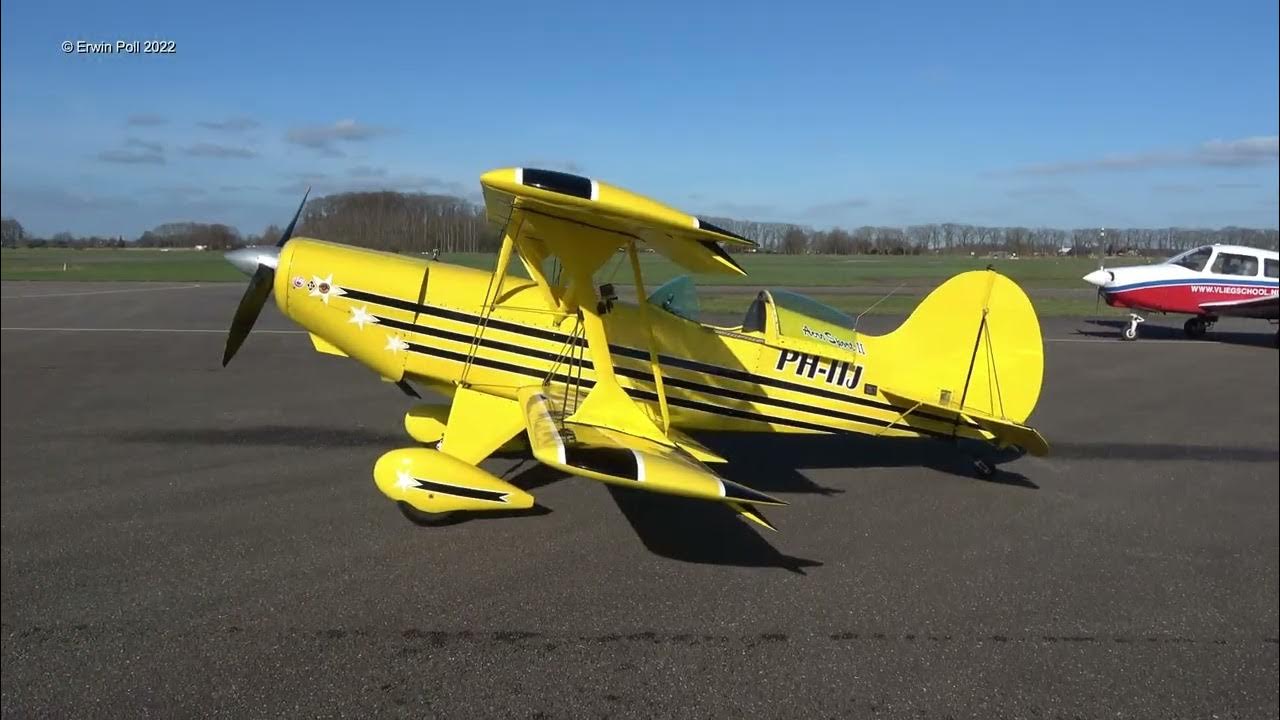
(610, 390)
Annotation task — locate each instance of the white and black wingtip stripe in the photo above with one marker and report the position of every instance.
(731, 490)
(640, 471)
(711, 227)
(562, 183)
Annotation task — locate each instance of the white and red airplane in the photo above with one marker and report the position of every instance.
(1207, 283)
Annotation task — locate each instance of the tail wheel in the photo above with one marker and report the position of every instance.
(983, 469)
(1130, 333)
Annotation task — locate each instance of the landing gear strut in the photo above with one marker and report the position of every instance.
(1131, 332)
(1197, 326)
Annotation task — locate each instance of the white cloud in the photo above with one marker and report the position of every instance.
(325, 139)
(1244, 152)
(214, 150)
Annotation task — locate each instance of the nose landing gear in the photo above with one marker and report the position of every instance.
(1131, 331)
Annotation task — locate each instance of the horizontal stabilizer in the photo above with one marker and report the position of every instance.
(1005, 431)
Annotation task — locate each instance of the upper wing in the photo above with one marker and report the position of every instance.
(620, 459)
(600, 208)
(1007, 432)
(1265, 307)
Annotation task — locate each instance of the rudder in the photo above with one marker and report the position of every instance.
(973, 343)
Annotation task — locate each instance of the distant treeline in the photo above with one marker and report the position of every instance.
(418, 222)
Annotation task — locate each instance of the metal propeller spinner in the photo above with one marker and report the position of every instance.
(260, 264)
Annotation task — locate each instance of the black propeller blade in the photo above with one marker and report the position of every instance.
(255, 296)
(288, 232)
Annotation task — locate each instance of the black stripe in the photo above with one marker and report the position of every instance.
(678, 401)
(639, 375)
(646, 377)
(557, 182)
(484, 342)
(383, 300)
(459, 491)
(637, 354)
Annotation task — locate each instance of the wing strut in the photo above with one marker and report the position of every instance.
(492, 293)
(653, 346)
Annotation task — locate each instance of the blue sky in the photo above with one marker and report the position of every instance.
(1067, 114)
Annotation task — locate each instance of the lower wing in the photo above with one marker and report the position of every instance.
(617, 458)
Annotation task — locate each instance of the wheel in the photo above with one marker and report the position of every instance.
(418, 517)
(1130, 333)
(1196, 327)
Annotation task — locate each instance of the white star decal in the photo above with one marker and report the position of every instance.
(324, 287)
(395, 344)
(405, 481)
(360, 316)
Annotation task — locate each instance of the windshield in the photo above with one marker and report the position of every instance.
(1193, 259)
(805, 318)
(678, 296)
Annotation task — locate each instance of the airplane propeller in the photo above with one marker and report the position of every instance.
(263, 276)
(1097, 297)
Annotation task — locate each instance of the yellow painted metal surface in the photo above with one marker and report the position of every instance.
(715, 378)
(480, 423)
(610, 211)
(434, 482)
(324, 346)
(426, 423)
(968, 363)
(617, 458)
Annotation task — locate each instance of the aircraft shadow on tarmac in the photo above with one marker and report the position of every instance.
(771, 463)
(700, 532)
(678, 528)
(709, 533)
(1103, 328)
(670, 527)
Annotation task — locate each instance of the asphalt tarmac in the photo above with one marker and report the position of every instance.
(181, 539)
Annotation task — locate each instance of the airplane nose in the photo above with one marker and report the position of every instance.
(247, 259)
(1099, 277)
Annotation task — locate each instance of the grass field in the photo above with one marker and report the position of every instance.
(851, 283)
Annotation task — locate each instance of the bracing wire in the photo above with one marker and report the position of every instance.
(489, 303)
(873, 305)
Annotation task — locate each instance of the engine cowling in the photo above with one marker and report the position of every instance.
(433, 482)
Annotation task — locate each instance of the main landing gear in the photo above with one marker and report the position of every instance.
(1196, 327)
(1131, 331)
